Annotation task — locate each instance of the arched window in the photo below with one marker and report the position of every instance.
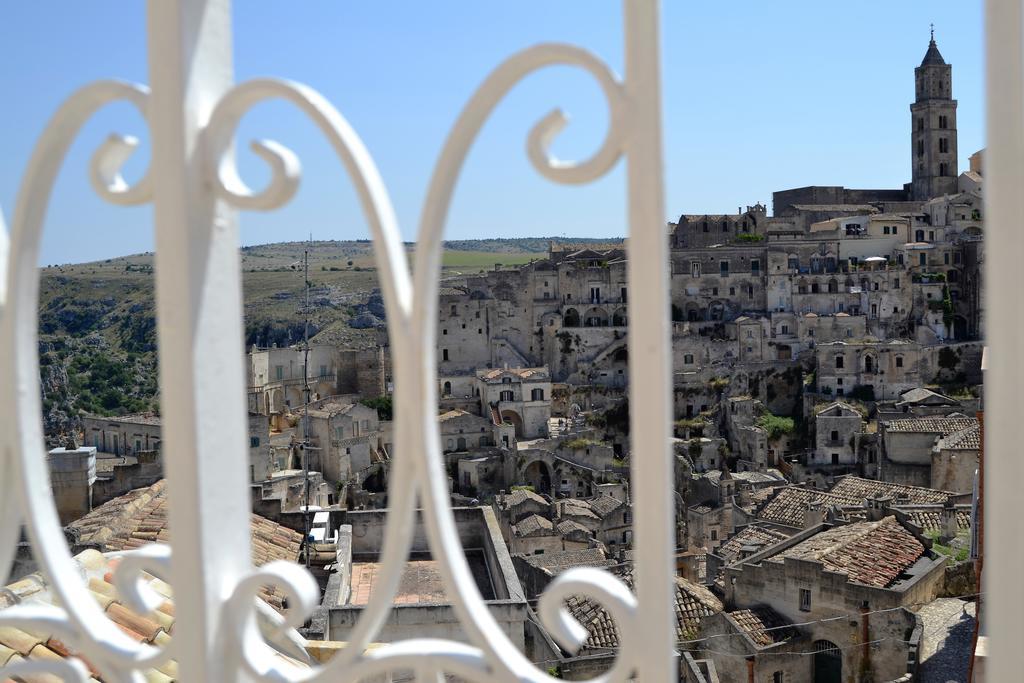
(447, 391)
(869, 364)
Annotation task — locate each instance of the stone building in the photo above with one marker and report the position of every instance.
(346, 439)
(930, 451)
(836, 430)
(122, 435)
(517, 396)
(278, 376)
(857, 569)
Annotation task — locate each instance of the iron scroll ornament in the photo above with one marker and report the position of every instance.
(417, 475)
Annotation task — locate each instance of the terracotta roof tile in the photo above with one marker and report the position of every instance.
(140, 517)
(932, 425)
(756, 621)
(871, 553)
(753, 535)
(859, 489)
(16, 644)
(693, 604)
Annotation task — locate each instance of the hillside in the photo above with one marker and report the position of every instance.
(98, 327)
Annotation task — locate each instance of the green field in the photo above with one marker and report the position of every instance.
(484, 260)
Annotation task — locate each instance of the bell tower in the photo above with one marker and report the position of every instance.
(933, 128)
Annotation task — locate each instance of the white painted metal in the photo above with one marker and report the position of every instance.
(193, 113)
(1004, 327)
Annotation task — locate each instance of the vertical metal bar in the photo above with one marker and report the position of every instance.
(649, 343)
(199, 308)
(1004, 319)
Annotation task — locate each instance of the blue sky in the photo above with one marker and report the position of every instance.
(758, 96)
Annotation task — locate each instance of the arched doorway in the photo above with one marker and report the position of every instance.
(596, 317)
(276, 401)
(512, 417)
(619, 318)
(828, 662)
(538, 475)
(571, 318)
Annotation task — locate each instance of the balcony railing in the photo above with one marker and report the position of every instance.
(192, 109)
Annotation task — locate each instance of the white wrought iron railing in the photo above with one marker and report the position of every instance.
(192, 108)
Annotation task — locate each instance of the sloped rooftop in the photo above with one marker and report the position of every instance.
(693, 604)
(763, 625)
(870, 553)
(752, 535)
(155, 628)
(943, 426)
(140, 517)
(859, 489)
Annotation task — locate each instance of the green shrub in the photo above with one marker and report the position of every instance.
(384, 405)
(776, 425)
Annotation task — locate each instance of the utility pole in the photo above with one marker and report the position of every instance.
(305, 383)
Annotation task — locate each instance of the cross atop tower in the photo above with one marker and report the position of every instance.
(933, 31)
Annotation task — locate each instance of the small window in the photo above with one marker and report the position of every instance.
(835, 435)
(943, 169)
(835, 458)
(777, 677)
(839, 362)
(920, 123)
(943, 145)
(732, 291)
(714, 534)
(755, 266)
(694, 268)
(254, 442)
(444, 354)
(723, 268)
(805, 600)
(920, 148)
(899, 361)
(444, 331)
(688, 359)
(537, 395)
(896, 283)
(943, 121)
(885, 229)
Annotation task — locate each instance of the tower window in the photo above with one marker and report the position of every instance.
(920, 148)
(920, 123)
(943, 169)
(943, 145)
(943, 121)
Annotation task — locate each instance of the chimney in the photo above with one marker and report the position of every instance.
(812, 515)
(949, 526)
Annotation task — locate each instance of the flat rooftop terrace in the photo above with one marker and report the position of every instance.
(421, 581)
